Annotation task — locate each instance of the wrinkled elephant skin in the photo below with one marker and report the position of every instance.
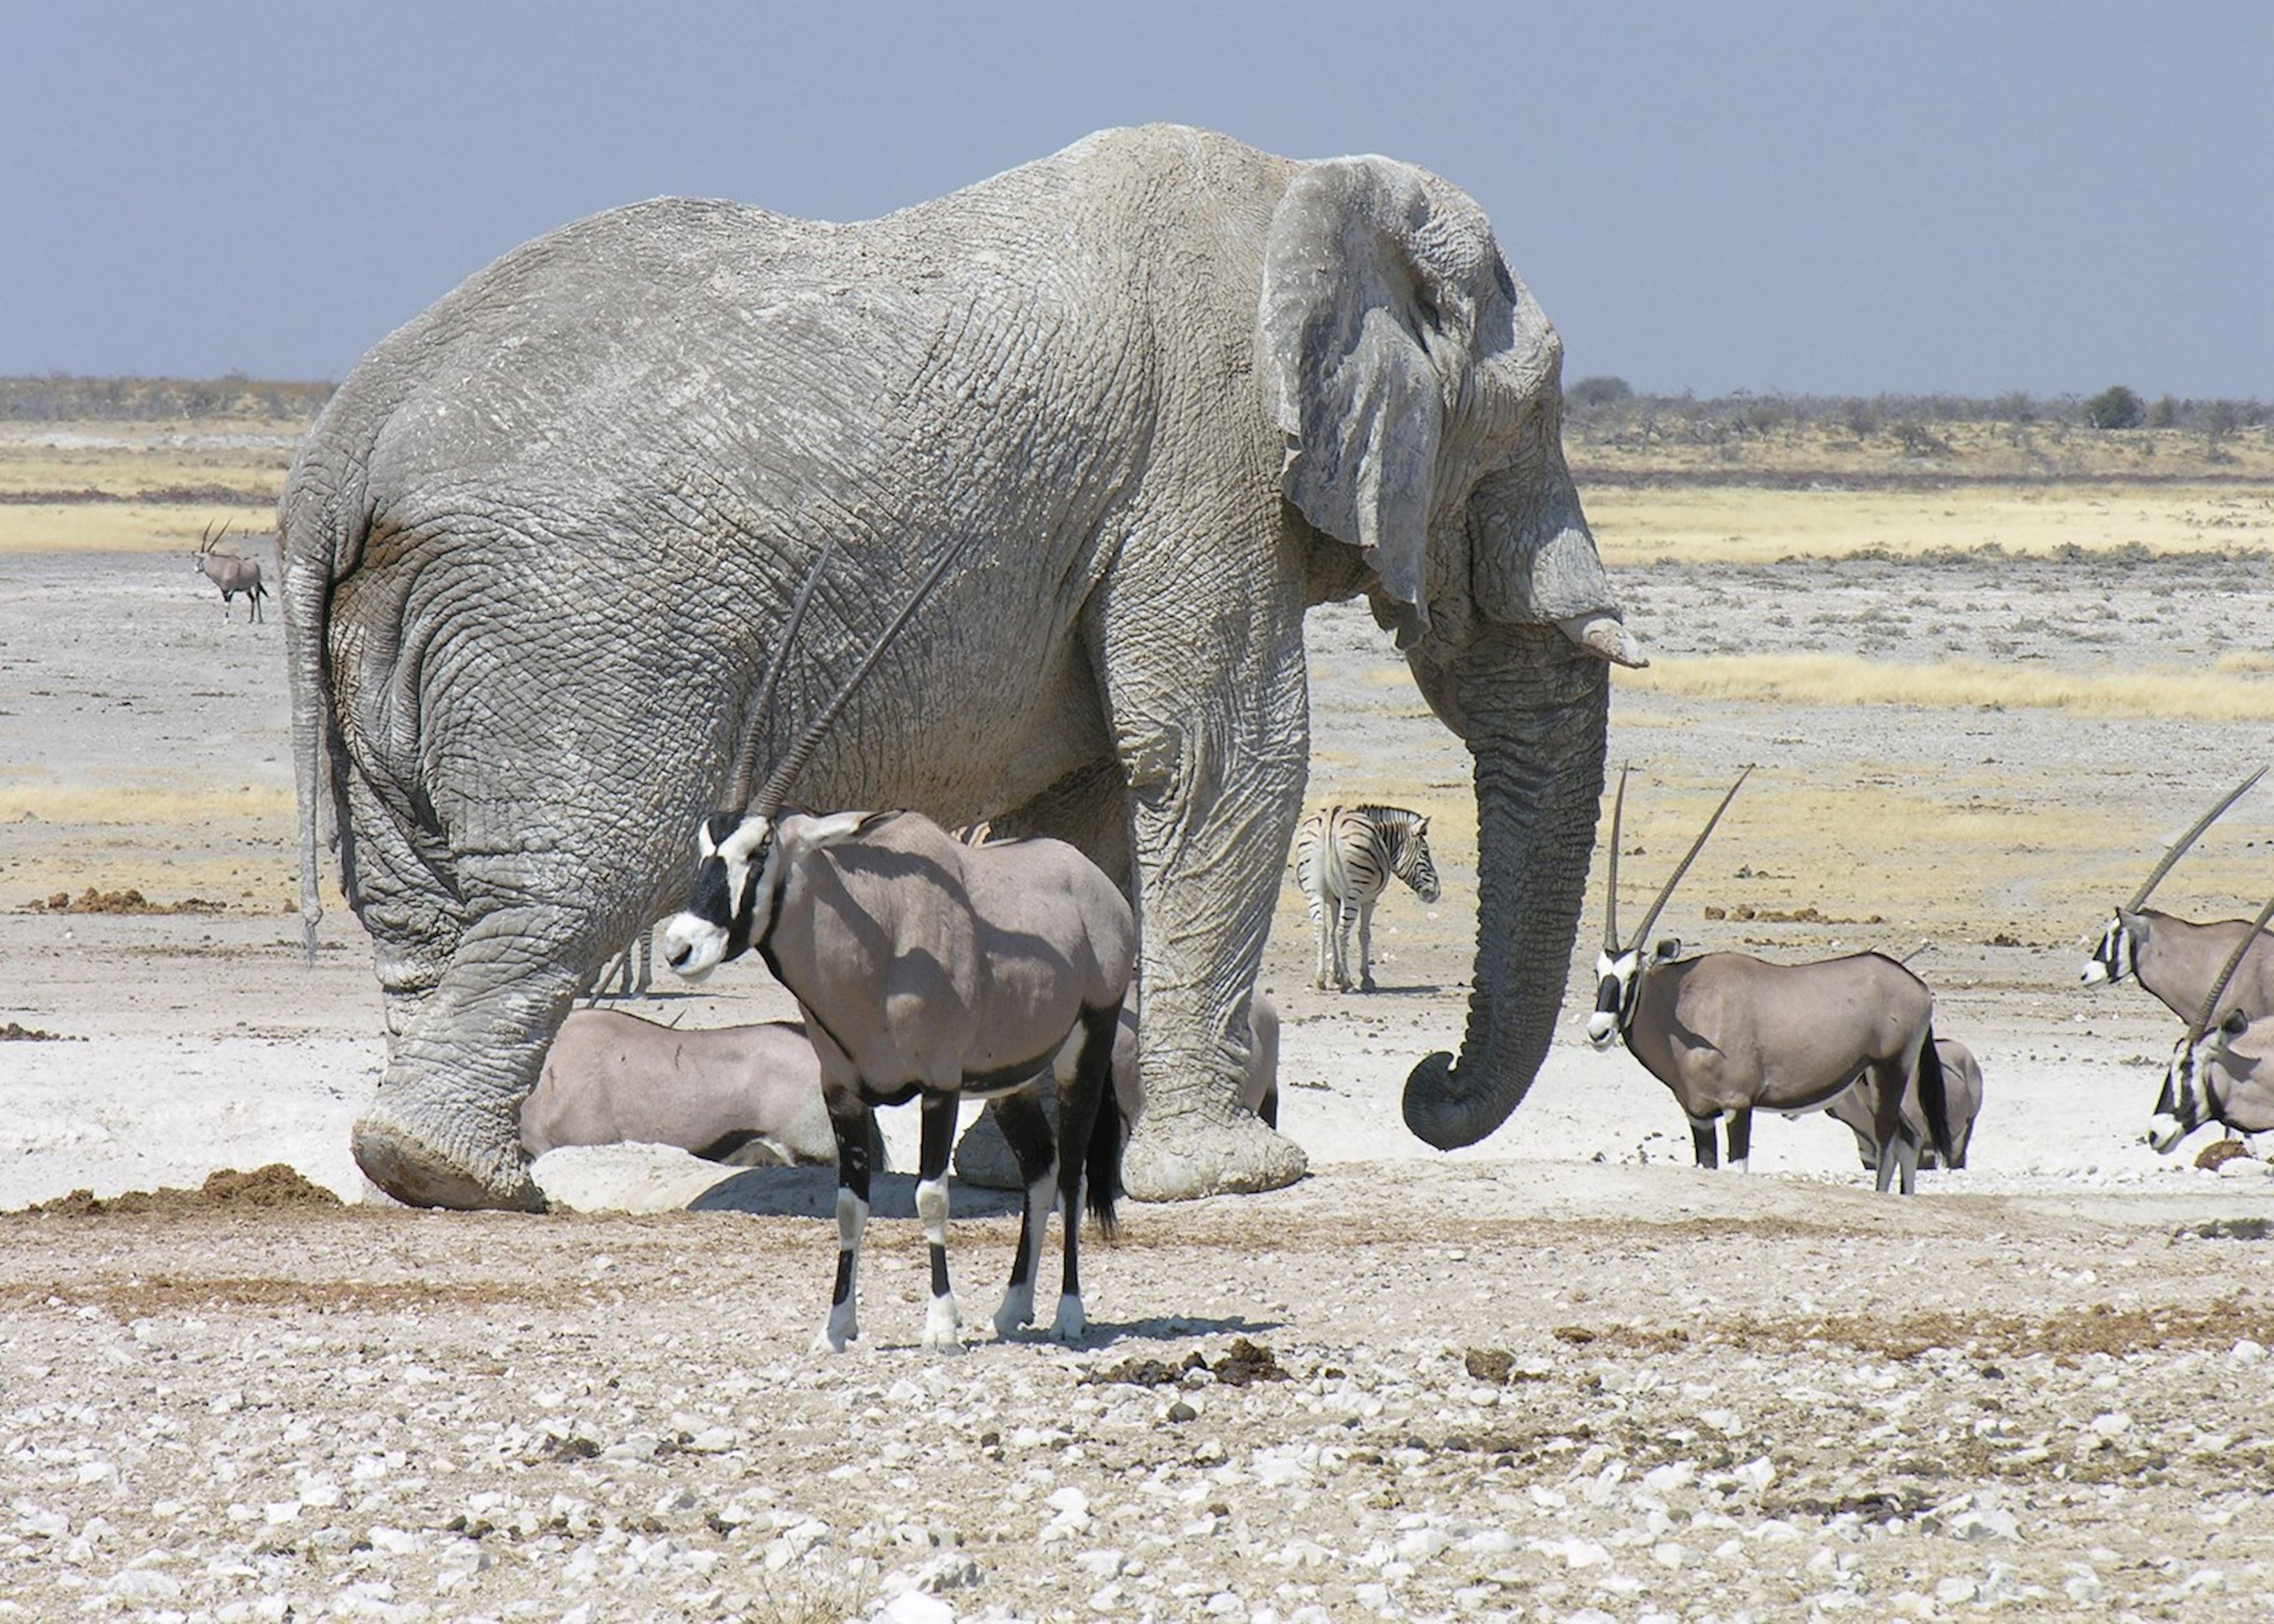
(540, 545)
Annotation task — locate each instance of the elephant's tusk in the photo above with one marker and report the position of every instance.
(1602, 634)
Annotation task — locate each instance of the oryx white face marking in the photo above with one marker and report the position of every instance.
(1613, 979)
(718, 920)
(2112, 960)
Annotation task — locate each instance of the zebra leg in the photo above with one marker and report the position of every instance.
(1345, 922)
(1321, 929)
(943, 1326)
(1366, 947)
(851, 1123)
(1027, 1130)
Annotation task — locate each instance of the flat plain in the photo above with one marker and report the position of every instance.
(1559, 1374)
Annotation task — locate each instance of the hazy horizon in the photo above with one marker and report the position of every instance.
(1780, 199)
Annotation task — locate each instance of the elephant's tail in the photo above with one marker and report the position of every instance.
(321, 524)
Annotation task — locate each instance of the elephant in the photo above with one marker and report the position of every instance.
(1166, 391)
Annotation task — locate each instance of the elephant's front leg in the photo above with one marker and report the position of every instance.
(1214, 735)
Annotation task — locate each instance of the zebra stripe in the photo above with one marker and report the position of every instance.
(1344, 858)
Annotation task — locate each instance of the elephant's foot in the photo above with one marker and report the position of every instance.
(403, 1154)
(1182, 1157)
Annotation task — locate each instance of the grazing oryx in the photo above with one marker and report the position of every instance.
(1344, 858)
(2177, 959)
(2223, 1071)
(1961, 1086)
(719, 1092)
(929, 969)
(1730, 1035)
(231, 573)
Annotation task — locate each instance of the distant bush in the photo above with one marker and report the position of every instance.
(2115, 407)
(59, 398)
(1592, 392)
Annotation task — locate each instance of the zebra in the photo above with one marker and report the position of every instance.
(1344, 873)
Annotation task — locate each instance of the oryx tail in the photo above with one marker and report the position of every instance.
(1934, 1099)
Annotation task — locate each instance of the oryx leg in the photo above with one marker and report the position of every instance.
(1898, 1147)
(1078, 1117)
(851, 1120)
(1740, 1130)
(1366, 947)
(1701, 1141)
(1027, 1130)
(942, 1324)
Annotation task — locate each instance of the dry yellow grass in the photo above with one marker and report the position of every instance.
(2050, 452)
(1751, 524)
(142, 804)
(160, 485)
(136, 527)
(2238, 695)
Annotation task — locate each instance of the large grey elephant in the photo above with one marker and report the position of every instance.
(1173, 391)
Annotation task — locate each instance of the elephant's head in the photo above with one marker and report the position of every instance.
(1418, 384)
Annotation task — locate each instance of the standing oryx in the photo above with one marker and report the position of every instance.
(2177, 959)
(1730, 1034)
(2223, 1071)
(231, 573)
(928, 969)
(1344, 858)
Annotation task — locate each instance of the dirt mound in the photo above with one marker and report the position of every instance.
(16, 1032)
(128, 901)
(275, 1185)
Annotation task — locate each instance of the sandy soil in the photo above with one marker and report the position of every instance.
(1559, 1374)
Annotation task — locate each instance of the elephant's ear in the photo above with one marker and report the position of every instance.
(1342, 361)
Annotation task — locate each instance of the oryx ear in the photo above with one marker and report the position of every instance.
(802, 833)
(1669, 949)
(2127, 918)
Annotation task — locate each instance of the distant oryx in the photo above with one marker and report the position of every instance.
(231, 573)
(928, 969)
(1344, 858)
(2177, 959)
(1858, 1109)
(2222, 1071)
(1730, 1035)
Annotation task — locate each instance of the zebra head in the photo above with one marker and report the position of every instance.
(734, 868)
(1409, 855)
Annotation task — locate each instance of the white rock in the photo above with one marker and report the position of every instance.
(2247, 1352)
(2113, 1424)
(142, 1584)
(916, 1607)
(1671, 1477)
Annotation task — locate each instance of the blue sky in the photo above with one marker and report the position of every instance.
(1822, 198)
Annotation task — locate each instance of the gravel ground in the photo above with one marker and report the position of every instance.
(1559, 1375)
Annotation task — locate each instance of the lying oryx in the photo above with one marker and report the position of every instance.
(2223, 1071)
(724, 1094)
(1731, 1035)
(927, 969)
(2177, 959)
(1858, 1109)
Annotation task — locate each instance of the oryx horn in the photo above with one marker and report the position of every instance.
(207, 539)
(769, 798)
(2180, 846)
(2234, 962)
(1611, 900)
(1683, 867)
(738, 785)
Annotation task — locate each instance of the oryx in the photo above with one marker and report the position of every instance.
(231, 573)
(1730, 1034)
(1858, 1109)
(928, 969)
(2175, 958)
(2223, 1071)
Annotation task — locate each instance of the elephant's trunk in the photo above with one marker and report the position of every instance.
(1534, 711)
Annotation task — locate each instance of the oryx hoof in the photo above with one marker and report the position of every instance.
(942, 1331)
(832, 1337)
(1069, 1324)
(1016, 1313)
(1368, 985)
